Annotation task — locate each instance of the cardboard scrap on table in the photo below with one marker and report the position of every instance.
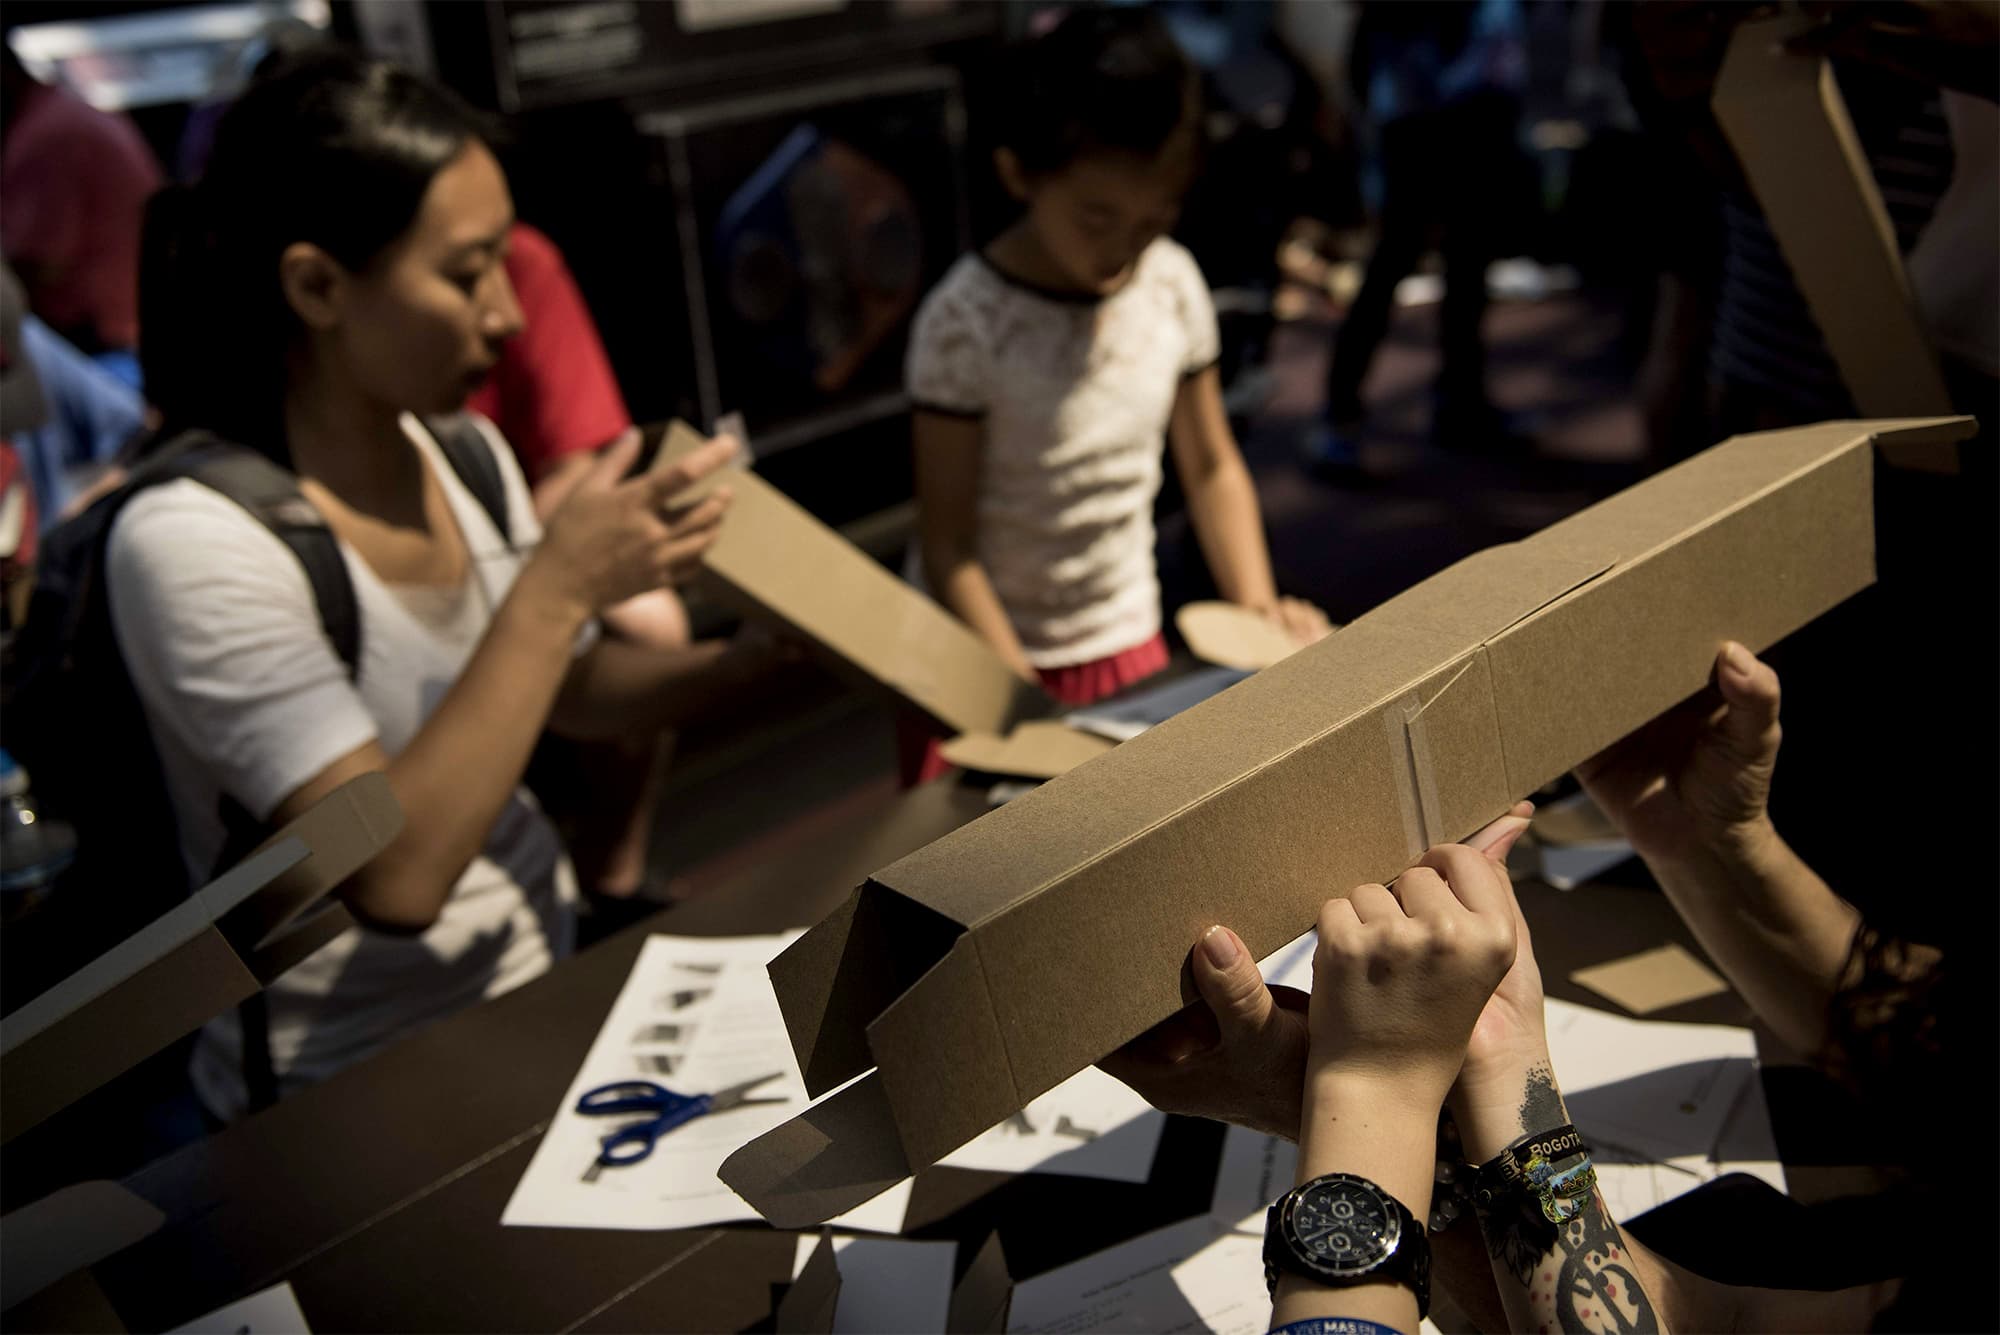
(786, 564)
(1043, 748)
(1229, 635)
(1021, 948)
(1652, 980)
(1038, 749)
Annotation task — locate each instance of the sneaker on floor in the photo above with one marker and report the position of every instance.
(1331, 453)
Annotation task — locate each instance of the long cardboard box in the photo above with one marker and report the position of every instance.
(774, 556)
(217, 948)
(993, 964)
(1785, 117)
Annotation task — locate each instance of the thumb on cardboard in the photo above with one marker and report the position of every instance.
(1229, 981)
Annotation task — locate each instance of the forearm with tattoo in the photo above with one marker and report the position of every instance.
(1576, 1276)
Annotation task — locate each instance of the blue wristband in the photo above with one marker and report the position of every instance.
(1335, 1325)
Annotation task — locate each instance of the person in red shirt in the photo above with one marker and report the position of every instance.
(554, 397)
(74, 182)
(552, 394)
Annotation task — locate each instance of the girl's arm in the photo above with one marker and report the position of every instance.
(947, 454)
(1222, 499)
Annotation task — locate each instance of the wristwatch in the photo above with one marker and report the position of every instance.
(1342, 1230)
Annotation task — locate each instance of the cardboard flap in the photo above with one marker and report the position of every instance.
(1764, 503)
(342, 832)
(1928, 445)
(946, 1022)
(1038, 749)
(1783, 114)
(841, 1152)
(838, 977)
(1452, 748)
(209, 953)
(777, 557)
(67, 1230)
(1232, 636)
(980, 1300)
(807, 1307)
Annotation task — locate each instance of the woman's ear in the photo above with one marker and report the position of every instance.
(1013, 176)
(314, 284)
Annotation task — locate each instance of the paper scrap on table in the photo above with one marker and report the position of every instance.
(1088, 1126)
(1254, 1171)
(887, 1285)
(1648, 1090)
(1291, 965)
(1652, 980)
(1194, 1275)
(274, 1311)
(696, 1015)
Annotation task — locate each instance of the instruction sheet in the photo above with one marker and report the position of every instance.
(696, 1015)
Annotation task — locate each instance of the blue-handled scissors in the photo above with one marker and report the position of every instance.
(660, 1111)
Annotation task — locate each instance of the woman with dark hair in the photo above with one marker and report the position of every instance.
(334, 275)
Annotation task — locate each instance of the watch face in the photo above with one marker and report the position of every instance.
(1343, 1227)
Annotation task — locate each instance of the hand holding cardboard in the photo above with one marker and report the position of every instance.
(1698, 773)
(990, 966)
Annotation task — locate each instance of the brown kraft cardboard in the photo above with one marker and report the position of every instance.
(989, 966)
(774, 556)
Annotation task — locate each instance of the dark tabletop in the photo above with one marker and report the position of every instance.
(378, 1194)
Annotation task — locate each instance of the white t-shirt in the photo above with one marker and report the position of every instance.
(1075, 394)
(247, 697)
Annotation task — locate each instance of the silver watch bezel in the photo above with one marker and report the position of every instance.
(1392, 1236)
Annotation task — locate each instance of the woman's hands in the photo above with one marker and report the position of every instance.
(1698, 778)
(615, 538)
(1401, 976)
(1240, 1055)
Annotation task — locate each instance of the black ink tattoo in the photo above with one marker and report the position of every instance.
(1596, 1291)
(1541, 1102)
(1578, 1276)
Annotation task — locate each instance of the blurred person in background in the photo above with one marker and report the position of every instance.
(74, 182)
(1440, 86)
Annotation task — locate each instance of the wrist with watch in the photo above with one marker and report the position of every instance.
(1342, 1230)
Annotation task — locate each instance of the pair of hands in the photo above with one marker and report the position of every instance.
(617, 537)
(1400, 979)
(1406, 982)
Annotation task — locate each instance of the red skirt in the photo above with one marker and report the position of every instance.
(1079, 684)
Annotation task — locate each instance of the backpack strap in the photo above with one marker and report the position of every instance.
(466, 449)
(271, 495)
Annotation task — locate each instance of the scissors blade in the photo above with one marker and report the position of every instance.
(736, 1096)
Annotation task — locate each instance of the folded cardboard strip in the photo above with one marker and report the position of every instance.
(216, 949)
(786, 564)
(991, 965)
(1784, 116)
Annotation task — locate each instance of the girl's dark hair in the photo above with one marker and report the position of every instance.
(1101, 80)
(324, 146)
